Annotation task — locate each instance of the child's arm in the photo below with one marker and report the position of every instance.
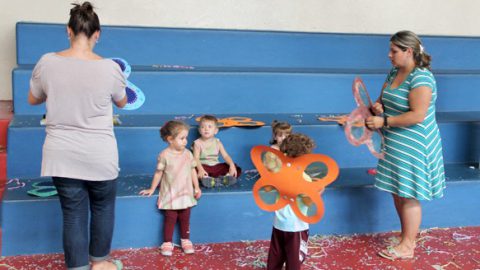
(232, 171)
(196, 154)
(197, 192)
(155, 181)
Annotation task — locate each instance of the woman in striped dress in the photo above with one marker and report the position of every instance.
(412, 169)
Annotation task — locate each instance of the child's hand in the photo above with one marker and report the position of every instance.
(232, 171)
(198, 193)
(202, 173)
(147, 192)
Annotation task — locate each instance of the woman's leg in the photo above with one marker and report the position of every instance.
(397, 203)
(74, 202)
(411, 212)
(102, 207)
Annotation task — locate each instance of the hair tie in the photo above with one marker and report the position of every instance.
(421, 49)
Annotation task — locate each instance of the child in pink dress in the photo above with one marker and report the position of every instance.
(179, 188)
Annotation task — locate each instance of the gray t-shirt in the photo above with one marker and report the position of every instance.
(80, 142)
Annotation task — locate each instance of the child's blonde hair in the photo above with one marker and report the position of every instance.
(278, 127)
(172, 128)
(297, 144)
(208, 117)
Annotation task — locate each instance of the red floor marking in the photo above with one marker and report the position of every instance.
(446, 249)
(3, 167)
(5, 117)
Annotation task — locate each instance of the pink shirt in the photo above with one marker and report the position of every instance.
(176, 185)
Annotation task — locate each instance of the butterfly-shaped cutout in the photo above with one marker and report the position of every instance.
(15, 183)
(237, 121)
(356, 130)
(340, 119)
(297, 182)
(135, 96)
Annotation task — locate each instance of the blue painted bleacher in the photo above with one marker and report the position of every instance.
(138, 141)
(295, 77)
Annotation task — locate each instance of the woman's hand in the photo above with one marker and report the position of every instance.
(377, 108)
(374, 122)
(147, 192)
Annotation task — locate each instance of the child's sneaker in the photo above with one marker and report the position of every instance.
(187, 246)
(228, 180)
(208, 182)
(166, 249)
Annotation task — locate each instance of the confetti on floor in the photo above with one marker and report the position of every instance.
(437, 249)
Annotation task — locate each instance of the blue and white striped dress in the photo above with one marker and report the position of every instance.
(413, 164)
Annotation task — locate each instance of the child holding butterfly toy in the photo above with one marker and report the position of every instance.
(179, 188)
(206, 150)
(288, 243)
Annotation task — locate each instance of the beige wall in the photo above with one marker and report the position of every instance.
(433, 17)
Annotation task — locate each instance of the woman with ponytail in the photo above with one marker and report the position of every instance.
(412, 169)
(80, 150)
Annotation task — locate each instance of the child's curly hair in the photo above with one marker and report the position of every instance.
(172, 128)
(297, 144)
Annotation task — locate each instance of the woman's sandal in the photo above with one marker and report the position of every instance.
(118, 264)
(391, 254)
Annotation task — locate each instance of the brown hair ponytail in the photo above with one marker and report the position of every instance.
(408, 39)
(83, 20)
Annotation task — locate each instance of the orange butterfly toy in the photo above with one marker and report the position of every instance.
(297, 182)
(237, 121)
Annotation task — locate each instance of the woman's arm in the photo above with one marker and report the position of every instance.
(419, 100)
(121, 103)
(32, 100)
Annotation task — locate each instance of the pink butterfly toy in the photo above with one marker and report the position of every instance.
(356, 131)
